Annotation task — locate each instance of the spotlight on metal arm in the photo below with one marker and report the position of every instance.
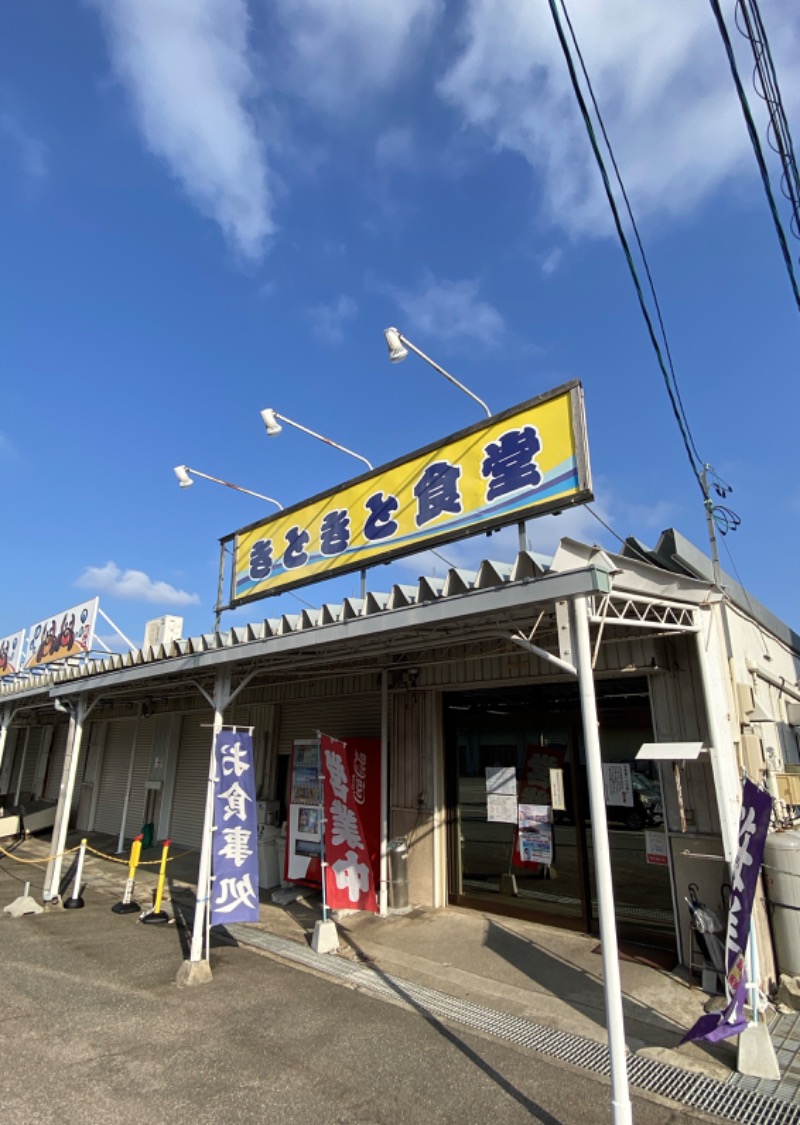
(273, 426)
(398, 346)
(185, 474)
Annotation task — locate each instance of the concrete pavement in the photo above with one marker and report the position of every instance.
(517, 969)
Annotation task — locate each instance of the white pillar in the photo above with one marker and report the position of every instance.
(383, 895)
(722, 751)
(201, 910)
(620, 1095)
(74, 735)
(22, 764)
(5, 723)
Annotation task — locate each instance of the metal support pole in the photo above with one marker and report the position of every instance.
(5, 723)
(620, 1094)
(129, 783)
(201, 910)
(220, 587)
(22, 764)
(74, 735)
(383, 892)
(728, 795)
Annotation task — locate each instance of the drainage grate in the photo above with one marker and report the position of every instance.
(696, 1091)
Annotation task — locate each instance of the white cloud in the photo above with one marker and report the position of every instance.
(450, 311)
(187, 69)
(30, 153)
(132, 585)
(551, 261)
(662, 82)
(328, 321)
(338, 53)
(394, 149)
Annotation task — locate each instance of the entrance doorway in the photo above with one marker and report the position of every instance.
(514, 738)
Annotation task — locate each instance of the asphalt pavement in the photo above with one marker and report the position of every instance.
(98, 1030)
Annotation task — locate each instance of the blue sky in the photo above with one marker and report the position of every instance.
(208, 207)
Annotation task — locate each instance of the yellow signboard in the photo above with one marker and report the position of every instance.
(525, 461)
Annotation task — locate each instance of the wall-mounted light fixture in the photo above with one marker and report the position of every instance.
(399, 345)
(273, 426)
(185, 474)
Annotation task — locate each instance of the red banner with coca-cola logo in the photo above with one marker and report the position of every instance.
(351, 781)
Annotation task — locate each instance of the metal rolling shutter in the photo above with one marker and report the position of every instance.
(55, 765)
(28, 766)
(141, 768)
(357, 716)
(113, 777)
(191, 780)
(13, 739)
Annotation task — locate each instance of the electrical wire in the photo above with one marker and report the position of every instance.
(635, 229)
(694, 461)
(765, 81)
(756, 145)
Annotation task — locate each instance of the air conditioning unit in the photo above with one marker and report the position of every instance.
(162, 631)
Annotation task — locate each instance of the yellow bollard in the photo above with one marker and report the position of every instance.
(126, 906)
(157, 914)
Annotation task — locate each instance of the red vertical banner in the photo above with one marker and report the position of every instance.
(351, 782)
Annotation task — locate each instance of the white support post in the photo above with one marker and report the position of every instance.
(202, 905)
(22, 764)
(52, 877)
(620, 1094)
(129, 782)
(383, 895)
(722, 751)
(5, 722)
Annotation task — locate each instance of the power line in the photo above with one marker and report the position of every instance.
(694, 461)
(756, 144)
(765, 81)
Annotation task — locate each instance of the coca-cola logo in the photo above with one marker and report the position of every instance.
(360, 777)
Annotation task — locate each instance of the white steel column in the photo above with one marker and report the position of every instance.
(620, 1094)
(129, 782)
(201, 911)
(722, 751)
(77, 715)
(383, 894)
(22, 764)
(5, 723)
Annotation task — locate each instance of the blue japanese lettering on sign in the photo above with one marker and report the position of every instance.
(334, 532)
(437, 491)
(379, 524)
(261, 559)
(234, 897)
(295, 554)
(509, 462)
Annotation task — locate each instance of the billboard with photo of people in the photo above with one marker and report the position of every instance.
(65, 634)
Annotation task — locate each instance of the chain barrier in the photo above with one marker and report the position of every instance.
(41, 860)
(103, 855)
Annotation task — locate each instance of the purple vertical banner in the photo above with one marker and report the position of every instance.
(753, 825)
(234, 895)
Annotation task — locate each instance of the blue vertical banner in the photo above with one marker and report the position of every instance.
(753, 826)
(234, 895)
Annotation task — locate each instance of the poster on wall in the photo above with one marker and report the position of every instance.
(352, 827)
(304, 837)
(655, 844)
(234, 896)
(617, 784)
(11, 649)
(501, 794)
(541, 760)
(535, 835)
(68, 633)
